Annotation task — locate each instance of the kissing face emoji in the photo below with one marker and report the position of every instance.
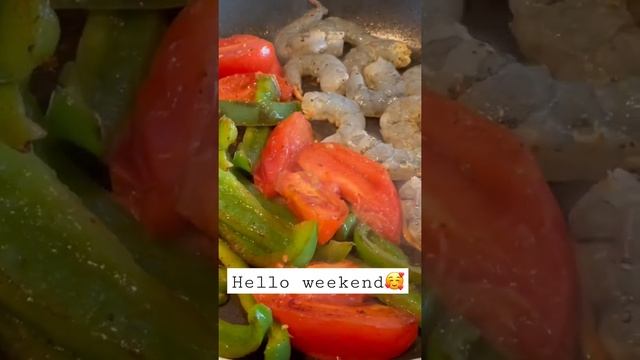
(395, 280)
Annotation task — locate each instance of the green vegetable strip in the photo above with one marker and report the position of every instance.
(279, 210)
(278, 345)
(29, 34)
(16, 128)
(251, 114)
(118, 4)
(222, 286)
(65, 273)
(248, 153)
(98, 89)
(235, 341)
(345, 231)
(333, 251)
(20, 341)
(227, 135)
(186, 271)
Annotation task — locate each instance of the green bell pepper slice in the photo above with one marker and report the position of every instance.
(345, 231)
(258, 236)
(227, 135)
(249, 150)
(252, 114)
(118, 4)
(29, 34)
(68, 276)
(236, 341)
(222, 287)
(333, 251)
(98, 89)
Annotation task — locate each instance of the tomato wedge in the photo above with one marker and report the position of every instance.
(496, 244)
(173, 118)
(364, 183)
(310, 199)
(343, 326)
(242, 87)
(281, 151)
(241, 54)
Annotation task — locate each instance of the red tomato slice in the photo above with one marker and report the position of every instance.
(311, 199)
(343, 326)
(281, 151)
(496, 243)
(240, 54)
(329, 330)
(173, 117)
(362, 182)
(242, 87)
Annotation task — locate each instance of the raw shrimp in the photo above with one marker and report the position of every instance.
(606, 223)
(385, 82)
(594, 40)
(294, 29)
(346, 115)
(329, 70)
(401, 121)
(317, 42)
(354, 34)
(396, 52)
(578, 131)
(411, 199)
(412, 80)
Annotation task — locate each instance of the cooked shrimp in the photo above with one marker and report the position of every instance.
(383, 77)
(347, 116)
(592, 40)
(401, 121)
(329, 70)
(410, 196)
(396, 52)
(295, 28)
(412, 80)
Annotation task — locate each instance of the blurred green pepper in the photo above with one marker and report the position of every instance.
(117, 4)
(333, 251)
(227, 135)
(222, 286)
(29, 34)
(258, 236)
(21, 341)
(345, 231)
(251, 114)
(248, 153)
(98, 88)
(16, 128)
(236, 341)
(68, 276)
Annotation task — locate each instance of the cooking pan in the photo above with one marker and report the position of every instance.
(399, 19)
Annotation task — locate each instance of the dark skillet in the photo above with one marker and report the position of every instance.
(399, 19)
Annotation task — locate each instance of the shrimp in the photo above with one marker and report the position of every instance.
(412, 80)
(401, 121)
(396, 52)
(603, 47)
(354, 34)
(383, 77)
(347, 116)
(577, 130)
(411, 198)
(295, 28)
(329, 70)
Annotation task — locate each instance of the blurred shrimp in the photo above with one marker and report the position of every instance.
(401, 121)
(411, 198)
(329, 70)
(382, 86)
(293, 30)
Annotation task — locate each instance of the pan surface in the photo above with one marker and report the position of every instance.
(399, 19)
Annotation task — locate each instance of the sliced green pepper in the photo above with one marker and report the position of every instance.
(235, 341)
(222, 286)
(267, 89)
(98, 89)
(16, 128)
(333, 251)
(375, 251)
(251, 114)
(278, 209)
(345, 231)
(18, 340)
(258, 236)
(248, 153)
(227, 135)
(68, 276)
(411, 302)
(118, 4)
(29, 34)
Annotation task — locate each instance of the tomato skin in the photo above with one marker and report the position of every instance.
(310, 199)
(343, 325)
(242, 53)
(242, 87)
(167, 125)
(364, 183)
(496, 235)
(281, 151)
